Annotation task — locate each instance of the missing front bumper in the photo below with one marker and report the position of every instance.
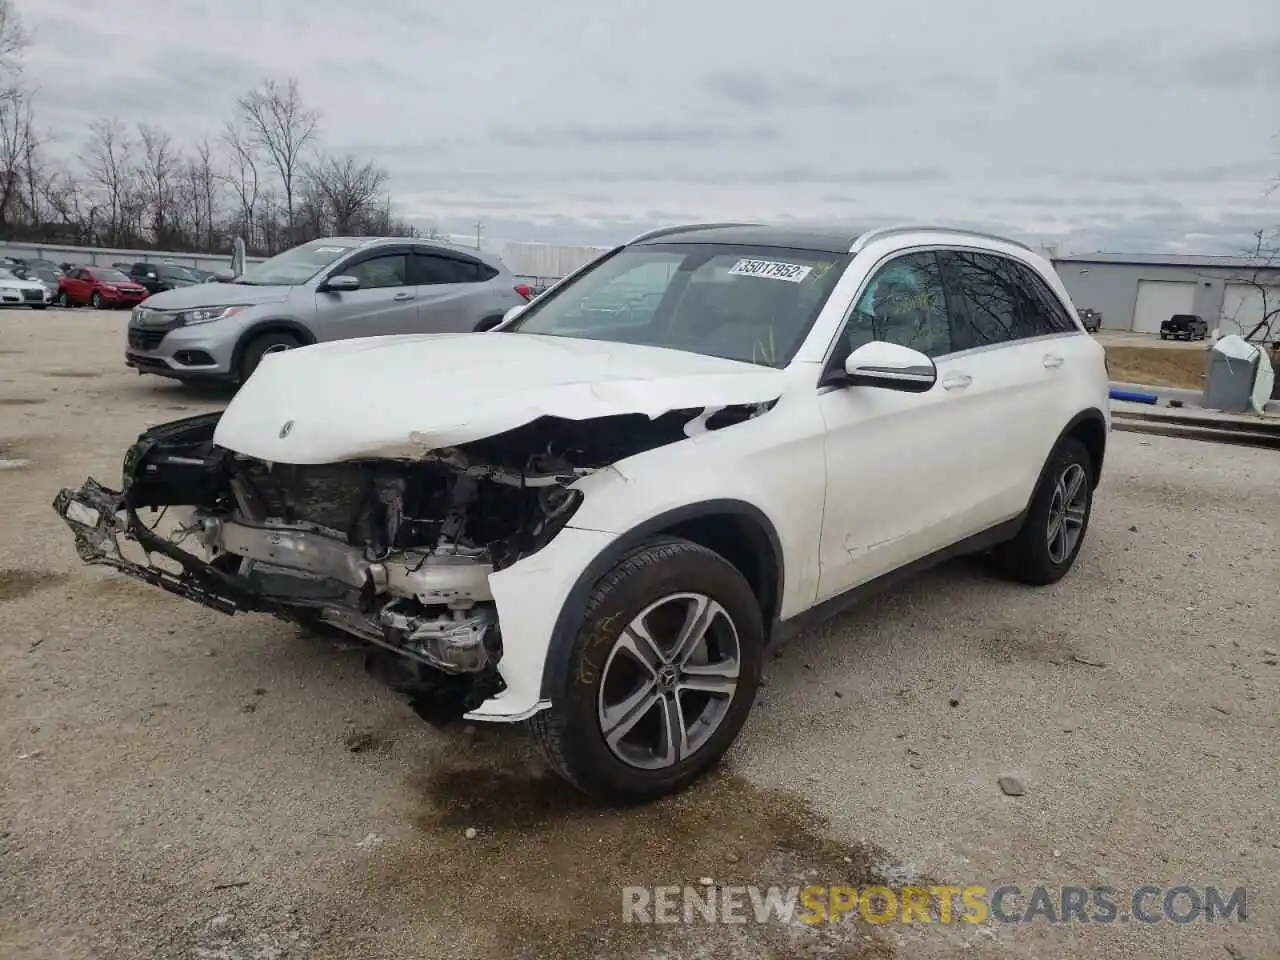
(101, 519)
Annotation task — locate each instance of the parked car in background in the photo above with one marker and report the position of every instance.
(98, 287)
(44, 272)
(1091, 320)
(331, 289)
(600, 526)
(159, 277)
(1184, 326)
(17, 291)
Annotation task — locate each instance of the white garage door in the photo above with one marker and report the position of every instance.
(1158, 300)
(1244, 305)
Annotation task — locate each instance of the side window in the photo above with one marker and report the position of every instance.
(379, 272)
(904, 304)
(432, 269)
(1050, 316)
(984, 299)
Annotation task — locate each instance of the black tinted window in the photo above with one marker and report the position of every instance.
(985, 300)
(903, 304)
(429, 268)
(1050, 316)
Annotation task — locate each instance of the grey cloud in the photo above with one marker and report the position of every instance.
(761, 88)
(656, 134)
(1209, 174)
(1256, 62)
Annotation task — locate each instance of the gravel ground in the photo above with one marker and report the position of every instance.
(176, 783)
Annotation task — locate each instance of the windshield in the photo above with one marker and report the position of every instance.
(295, 266)
(754, 304)
(109, 276)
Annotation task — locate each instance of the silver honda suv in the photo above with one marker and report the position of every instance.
(330, 289)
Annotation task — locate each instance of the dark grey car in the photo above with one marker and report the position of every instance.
(331, 289)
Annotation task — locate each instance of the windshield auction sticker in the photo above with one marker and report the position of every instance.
(770, 270)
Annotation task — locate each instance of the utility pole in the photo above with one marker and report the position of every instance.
(479, 228)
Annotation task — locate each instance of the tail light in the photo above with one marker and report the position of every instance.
(524, 290)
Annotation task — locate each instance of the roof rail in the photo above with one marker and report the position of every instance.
(881, 232)
(666, 231)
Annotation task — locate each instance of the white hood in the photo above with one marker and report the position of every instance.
(399, 397)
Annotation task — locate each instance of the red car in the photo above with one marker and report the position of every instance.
(99, 287)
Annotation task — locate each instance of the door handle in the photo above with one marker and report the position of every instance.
(403, 296)
(956, 381)
(1052, 361)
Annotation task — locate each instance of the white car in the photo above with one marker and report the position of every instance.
(17, 292)
(596, 520)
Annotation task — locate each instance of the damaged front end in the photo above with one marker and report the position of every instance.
(395, 552)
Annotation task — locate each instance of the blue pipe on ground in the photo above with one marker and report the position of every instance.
(1134, 397)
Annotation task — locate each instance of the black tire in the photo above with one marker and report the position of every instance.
(487, 324)
(259, 347)
(1164, 336)
(63, 300)
(95, 301)
(1028, 558)
(568, 733)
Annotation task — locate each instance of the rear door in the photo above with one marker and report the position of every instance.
(455, 292)
(386, 302)
(79, 285)
(1013, 350)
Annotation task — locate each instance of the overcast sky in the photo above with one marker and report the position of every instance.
(1131, 125)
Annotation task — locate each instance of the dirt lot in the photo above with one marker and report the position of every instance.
(1139, 358)
(176, 783)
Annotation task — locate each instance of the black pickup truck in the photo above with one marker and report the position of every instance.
(1184, 326)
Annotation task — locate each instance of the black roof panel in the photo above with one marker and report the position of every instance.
(759, 235)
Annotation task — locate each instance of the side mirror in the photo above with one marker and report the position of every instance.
(890, 367)
(341, 284)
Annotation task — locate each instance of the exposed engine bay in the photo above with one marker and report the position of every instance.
(395, 552)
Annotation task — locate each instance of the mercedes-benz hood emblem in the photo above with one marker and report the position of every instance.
(284, 431)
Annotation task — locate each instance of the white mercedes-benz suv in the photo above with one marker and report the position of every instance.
(597, 516)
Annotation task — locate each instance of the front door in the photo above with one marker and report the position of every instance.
(897, 463)
(385, 303)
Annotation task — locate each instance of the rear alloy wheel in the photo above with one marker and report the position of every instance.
(1053, 531)
(62, 300)
(661, 678)
(96, 301)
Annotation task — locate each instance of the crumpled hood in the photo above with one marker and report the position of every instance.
(398, 397)
(215, 295)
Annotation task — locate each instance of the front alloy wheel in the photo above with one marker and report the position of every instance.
(660, 676)
(669, 680)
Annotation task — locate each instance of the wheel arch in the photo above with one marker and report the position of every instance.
(736, 530)
(1090, 428)
(274, 325)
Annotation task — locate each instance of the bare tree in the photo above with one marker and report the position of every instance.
(17, 143)
(282, 128)
(14, 40)
(157, 170)
(242, 177)
(350, 191)
(108, 162)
